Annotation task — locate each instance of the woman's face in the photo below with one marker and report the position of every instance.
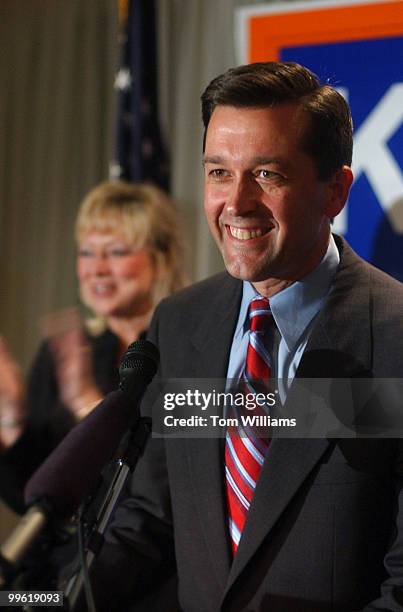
(116, 279)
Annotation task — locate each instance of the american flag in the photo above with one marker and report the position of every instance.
(139, 152)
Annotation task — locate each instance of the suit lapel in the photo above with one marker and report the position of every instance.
(343, 327)
(211, 343)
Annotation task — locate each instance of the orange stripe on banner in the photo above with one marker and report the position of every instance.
(123, 8)
(268, 34)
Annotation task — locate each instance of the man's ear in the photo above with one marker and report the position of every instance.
(339, 188)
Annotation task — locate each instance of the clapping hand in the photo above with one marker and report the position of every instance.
(72, 357)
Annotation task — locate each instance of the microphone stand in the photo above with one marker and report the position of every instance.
(96, 513)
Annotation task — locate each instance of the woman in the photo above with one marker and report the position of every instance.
(129, 256)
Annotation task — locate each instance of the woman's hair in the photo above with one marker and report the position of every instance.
(147, 217)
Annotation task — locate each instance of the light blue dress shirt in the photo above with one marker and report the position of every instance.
(294, 310)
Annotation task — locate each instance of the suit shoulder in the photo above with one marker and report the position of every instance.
(382, 282)
(194, 307)
(199, 293)
(386, 297)
(360, 275)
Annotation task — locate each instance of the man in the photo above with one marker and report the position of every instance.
(322, 516)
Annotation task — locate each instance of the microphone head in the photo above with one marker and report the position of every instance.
(140, 360)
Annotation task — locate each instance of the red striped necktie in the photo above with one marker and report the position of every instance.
(245, 449)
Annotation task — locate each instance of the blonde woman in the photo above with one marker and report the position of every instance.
(129, 256)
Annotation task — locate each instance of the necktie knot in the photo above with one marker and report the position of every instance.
(259, 314)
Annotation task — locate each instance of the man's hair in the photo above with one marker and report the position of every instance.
(328, 138)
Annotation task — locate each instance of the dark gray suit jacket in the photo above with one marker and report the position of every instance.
(325, 516)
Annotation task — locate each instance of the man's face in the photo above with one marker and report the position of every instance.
(265, 206)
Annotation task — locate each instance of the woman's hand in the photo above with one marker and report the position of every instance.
(72, 356)
(12, 399)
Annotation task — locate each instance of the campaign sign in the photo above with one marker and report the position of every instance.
(358, 48)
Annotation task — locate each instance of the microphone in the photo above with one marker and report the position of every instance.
(72, 470)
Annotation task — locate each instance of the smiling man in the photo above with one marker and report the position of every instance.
(250, 522)
(268, 196)
(266, 206)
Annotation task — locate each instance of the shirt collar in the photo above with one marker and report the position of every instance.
(296, 306)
